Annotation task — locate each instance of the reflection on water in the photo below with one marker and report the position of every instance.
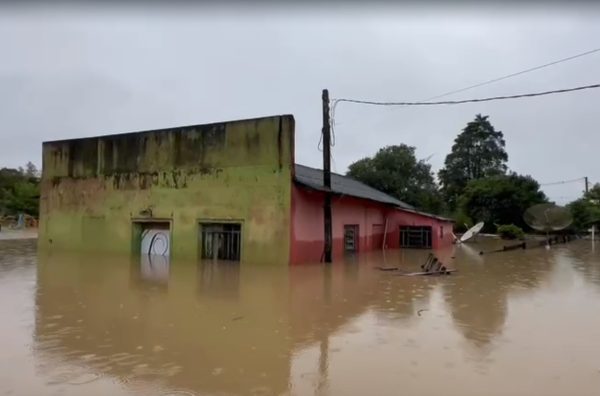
(219, 279)
(154, 268)
(519, 322)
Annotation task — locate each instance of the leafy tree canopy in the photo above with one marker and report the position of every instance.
(500, 199)
(586, 210)
(396, 171)
(19, 190)
(478, 152)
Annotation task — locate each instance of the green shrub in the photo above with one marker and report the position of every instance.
(462, 222)
(510, 231)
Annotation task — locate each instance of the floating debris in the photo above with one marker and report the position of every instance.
(432, 266)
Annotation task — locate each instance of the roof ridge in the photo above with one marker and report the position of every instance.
(315, 182)
(333, 173)
(364, 187)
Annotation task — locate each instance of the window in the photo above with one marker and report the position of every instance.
(221, 241)
(441, 232)
(351, 238)
(415, 237)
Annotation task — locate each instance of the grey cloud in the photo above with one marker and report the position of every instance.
(90, 72)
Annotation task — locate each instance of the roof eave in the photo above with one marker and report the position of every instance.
(394, 205)
(323, 189)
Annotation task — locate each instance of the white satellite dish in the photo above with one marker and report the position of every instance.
(471, 232)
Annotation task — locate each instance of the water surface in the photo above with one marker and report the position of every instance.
(513, 323)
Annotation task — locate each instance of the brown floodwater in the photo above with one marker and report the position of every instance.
(513, 323)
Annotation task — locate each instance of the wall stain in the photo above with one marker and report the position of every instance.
(225, 168)
(280, 142)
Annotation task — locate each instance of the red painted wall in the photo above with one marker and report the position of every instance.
(441, 230)
(307, 225)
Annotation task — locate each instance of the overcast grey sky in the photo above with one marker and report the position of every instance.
(74, 73)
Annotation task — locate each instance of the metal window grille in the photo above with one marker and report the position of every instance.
(221, 241)
(415, 237)
(351, 238)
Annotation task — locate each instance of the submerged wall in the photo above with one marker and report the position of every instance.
(308, 233)
(95, 189)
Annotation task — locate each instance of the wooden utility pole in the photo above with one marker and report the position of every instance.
(586, 185)
(327, 176)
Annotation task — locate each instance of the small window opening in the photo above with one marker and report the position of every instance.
(351, 238)
(221, 241)
(415, 237)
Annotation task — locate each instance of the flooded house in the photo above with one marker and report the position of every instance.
(228, 191)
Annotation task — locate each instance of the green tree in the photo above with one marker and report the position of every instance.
(478, 152)
(31, 171)
(586, 210)
(396, 171)
(500, 199)
(19, 190)
(23, 198)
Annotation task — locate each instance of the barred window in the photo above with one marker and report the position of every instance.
(221, 241)
(415, 237)
(351, 237)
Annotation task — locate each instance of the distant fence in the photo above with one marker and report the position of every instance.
(559, 239)
(18, 222)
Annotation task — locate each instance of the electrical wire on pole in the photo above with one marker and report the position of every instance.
(475, 100)
(563, 181)
(493, 80)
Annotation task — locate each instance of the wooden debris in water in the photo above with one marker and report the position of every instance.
(432, 266)
(442, 272)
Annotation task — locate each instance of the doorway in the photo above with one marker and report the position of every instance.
(351, 238)
(153, 238)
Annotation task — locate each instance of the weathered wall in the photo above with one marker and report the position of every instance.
(308, 234)
(94, 188)
(439, 239)
(307, 207)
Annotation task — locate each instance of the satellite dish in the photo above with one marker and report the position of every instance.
(547, 217)
(471, 232)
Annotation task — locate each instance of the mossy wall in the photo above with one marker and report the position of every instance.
(95, 189)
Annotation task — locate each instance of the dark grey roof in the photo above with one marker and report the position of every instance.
(313, 178)
(345, 185)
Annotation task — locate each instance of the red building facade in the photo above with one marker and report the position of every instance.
(362, 218)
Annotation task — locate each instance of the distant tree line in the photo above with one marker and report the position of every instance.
(19, 191)
(474, 184)
(586, 210)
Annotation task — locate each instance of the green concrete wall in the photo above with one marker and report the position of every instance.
(94, 189)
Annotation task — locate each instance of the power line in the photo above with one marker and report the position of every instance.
(513, 74)
(562, 182)
(569, 197)
(455, 102)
